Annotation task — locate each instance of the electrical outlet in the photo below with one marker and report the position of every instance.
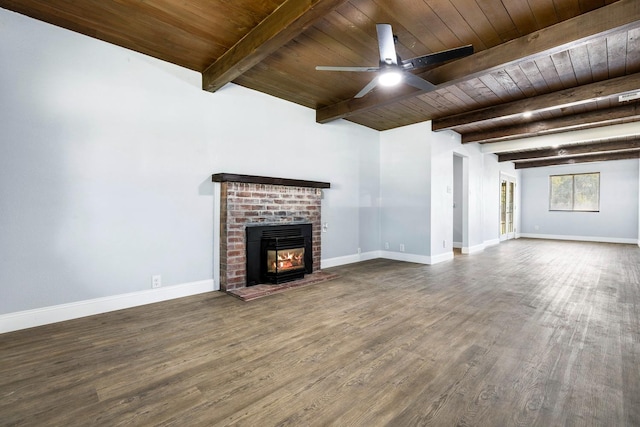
(359, 251)
(156, 281)
(444, 243)
(386, 245)
(401, 247)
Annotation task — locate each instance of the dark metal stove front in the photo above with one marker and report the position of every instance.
(278, 253)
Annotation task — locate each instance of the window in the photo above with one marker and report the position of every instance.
(578, 192)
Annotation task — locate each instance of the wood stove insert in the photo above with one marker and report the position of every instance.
(278, 253)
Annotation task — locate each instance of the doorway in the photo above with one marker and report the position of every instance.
(507, 207)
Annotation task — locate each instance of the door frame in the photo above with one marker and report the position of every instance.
(510, 195)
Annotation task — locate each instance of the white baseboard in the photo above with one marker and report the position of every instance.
(403, 256)
(492, 242)
(447, 256)
(468, 250)
(397, 256)
(580, 238)
(58, 313)
(349, 259)
(420, 259)
(473, 249)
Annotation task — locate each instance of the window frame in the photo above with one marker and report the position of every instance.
(573, 192)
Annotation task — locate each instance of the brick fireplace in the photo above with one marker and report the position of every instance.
(249, 201)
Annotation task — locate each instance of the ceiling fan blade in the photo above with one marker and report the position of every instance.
(438, 57)
(360, 69)
(386, 45)
(415, 81)
(368, 88)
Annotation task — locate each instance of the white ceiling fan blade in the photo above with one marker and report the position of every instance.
(368, 88)
(415, 81)
(358, 69)
(386, 45)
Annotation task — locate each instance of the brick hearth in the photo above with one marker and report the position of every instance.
(250, 293)
(249, 200)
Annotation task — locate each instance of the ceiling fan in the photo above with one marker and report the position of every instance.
(393, 70)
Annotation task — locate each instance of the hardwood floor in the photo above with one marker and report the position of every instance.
(529, 332)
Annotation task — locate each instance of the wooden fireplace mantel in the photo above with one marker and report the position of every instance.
(253, 179)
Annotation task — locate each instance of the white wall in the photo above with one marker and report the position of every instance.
(416, 187)
(491, 209)
(405, 190)
(445, 146)
(475, 199)
(458, 206)
(442, 149)
(107, 156)
(617, 220)
(257, 134)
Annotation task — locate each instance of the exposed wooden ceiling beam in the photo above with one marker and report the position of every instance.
(617, 132)
(285, 23)
(579, 159)
(571, 150)
(614, 115)
(551, 101)
(617, 16)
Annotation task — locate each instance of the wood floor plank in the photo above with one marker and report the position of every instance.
(526, 333)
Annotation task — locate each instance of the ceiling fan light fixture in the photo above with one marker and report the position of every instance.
(390, 78)
(391, 69)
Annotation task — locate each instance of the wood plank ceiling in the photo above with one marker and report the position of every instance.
(565, 61)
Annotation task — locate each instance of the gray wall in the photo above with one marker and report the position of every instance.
(106, 163)
(618, 216)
